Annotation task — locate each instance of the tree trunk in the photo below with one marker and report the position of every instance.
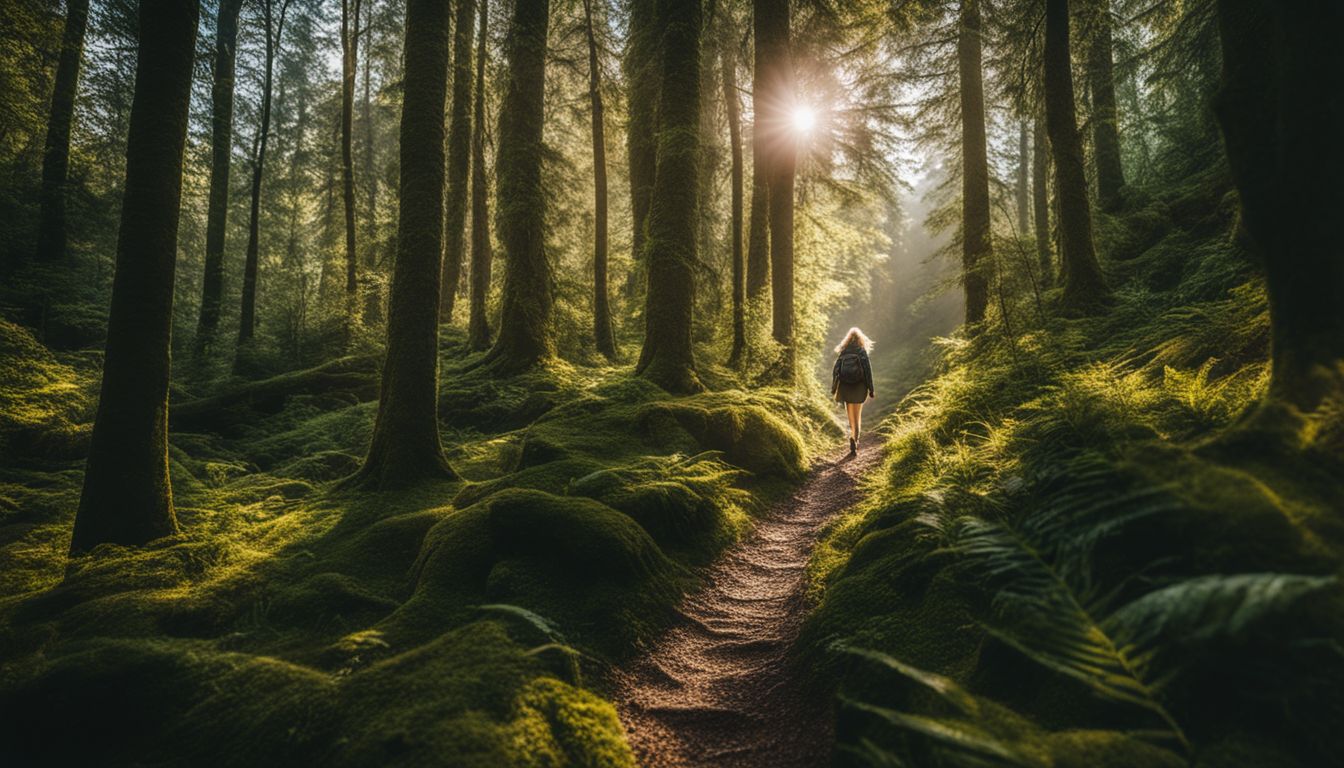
(349, 54)
(668, 358)
(976, 247)
(126, 497)
(525, 333)
(602, 334)
(1040, 199)
(1084, 286)
(373, 307)
(247, 322)
(728, 54)
(405, 447)
(1105, 130)
(774, 83)
(1282, 131)
(478, 325)
(221, 159)
(459, 159)
(642, 76)
(56, 154)
(1023, 174)
(758, 231)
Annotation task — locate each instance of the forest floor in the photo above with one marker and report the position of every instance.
(720, 686)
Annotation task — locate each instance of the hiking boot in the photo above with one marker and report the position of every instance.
(853, 446)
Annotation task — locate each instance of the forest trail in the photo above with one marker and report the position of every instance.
(716, 688)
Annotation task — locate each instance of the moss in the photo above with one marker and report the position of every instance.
(552, 477)
(1107, 749)
(748, 435)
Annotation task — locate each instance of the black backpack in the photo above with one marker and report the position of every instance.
(851, 368)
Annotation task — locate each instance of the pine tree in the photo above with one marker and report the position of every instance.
(459, 158)
(478, 326)
(728, 60)
(976, 247)
(602, 333)
(51, 232)
(126, 497)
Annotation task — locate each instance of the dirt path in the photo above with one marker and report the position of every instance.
(716, 688)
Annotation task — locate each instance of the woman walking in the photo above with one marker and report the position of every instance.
(852, 380)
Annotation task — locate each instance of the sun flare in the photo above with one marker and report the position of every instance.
(804, 119)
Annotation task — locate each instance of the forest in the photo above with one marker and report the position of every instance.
(454, 383)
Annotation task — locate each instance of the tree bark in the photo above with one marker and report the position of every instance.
(976, 247)
(774, 83)
(349, 54)
(728, 54)
(758, 230)
(1084, 286)
(373, 307)
(642, 76)
(1040, 199)
(459, 158)
(405, 448)
(221, 160)
(56, 154)
(247, 322)
(602, 334)
(668, 357)
(1282, 131)
(126, 496)
(525, 333)
(478, 325)
(1105, 128)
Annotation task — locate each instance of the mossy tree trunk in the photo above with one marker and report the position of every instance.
(976, 247)
(1084, 287)
(273, 29)
(728, 55)
(774, 105)
(1105, 127)
(1040, 199)
(221, 159)
(373, 306)
(1282, 130)
(126, 497)
(478, 324)
(602, 334)
(459, 158)
(349, 55)
(525, 334)
(405, 448)
(641, 73)
(668, 358)
(51, 234)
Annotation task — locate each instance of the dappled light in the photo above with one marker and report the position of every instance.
(671, 383)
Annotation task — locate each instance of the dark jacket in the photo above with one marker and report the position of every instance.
(853, 347)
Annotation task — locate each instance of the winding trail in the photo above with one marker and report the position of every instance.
(717, 689)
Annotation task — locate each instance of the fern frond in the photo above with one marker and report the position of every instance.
(959, 742)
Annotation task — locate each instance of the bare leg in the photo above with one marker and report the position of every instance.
(852, 411)
(858, 419)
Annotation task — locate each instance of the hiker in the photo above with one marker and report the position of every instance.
(852, 380)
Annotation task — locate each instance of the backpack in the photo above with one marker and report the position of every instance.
(851, 369)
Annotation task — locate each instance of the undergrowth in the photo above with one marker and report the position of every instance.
(1082, 550)
(294, 622)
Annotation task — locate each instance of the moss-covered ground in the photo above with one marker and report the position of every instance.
(1093, 542)
(295, 622)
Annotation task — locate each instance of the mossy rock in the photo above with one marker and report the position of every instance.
(327, 599)
(581, 535)
(552, 477)
(321, 466)
(749, 436)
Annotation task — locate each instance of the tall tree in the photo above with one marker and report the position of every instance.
(642, 77)
(459, 158)
(976, 247)
(273, 26)
(728, 57)
(774, 84)
(1040, 199)
(525, 333)
(668, 358)
(602, 334)
(1084, 286)
(1023, 196)
(350, 20)
(1105, 128)
(373, 307)
(56, 155)
(405, 447)
(478, 325)
(758, 230)
(221, 160)
(126, 497)
(1282, 130)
